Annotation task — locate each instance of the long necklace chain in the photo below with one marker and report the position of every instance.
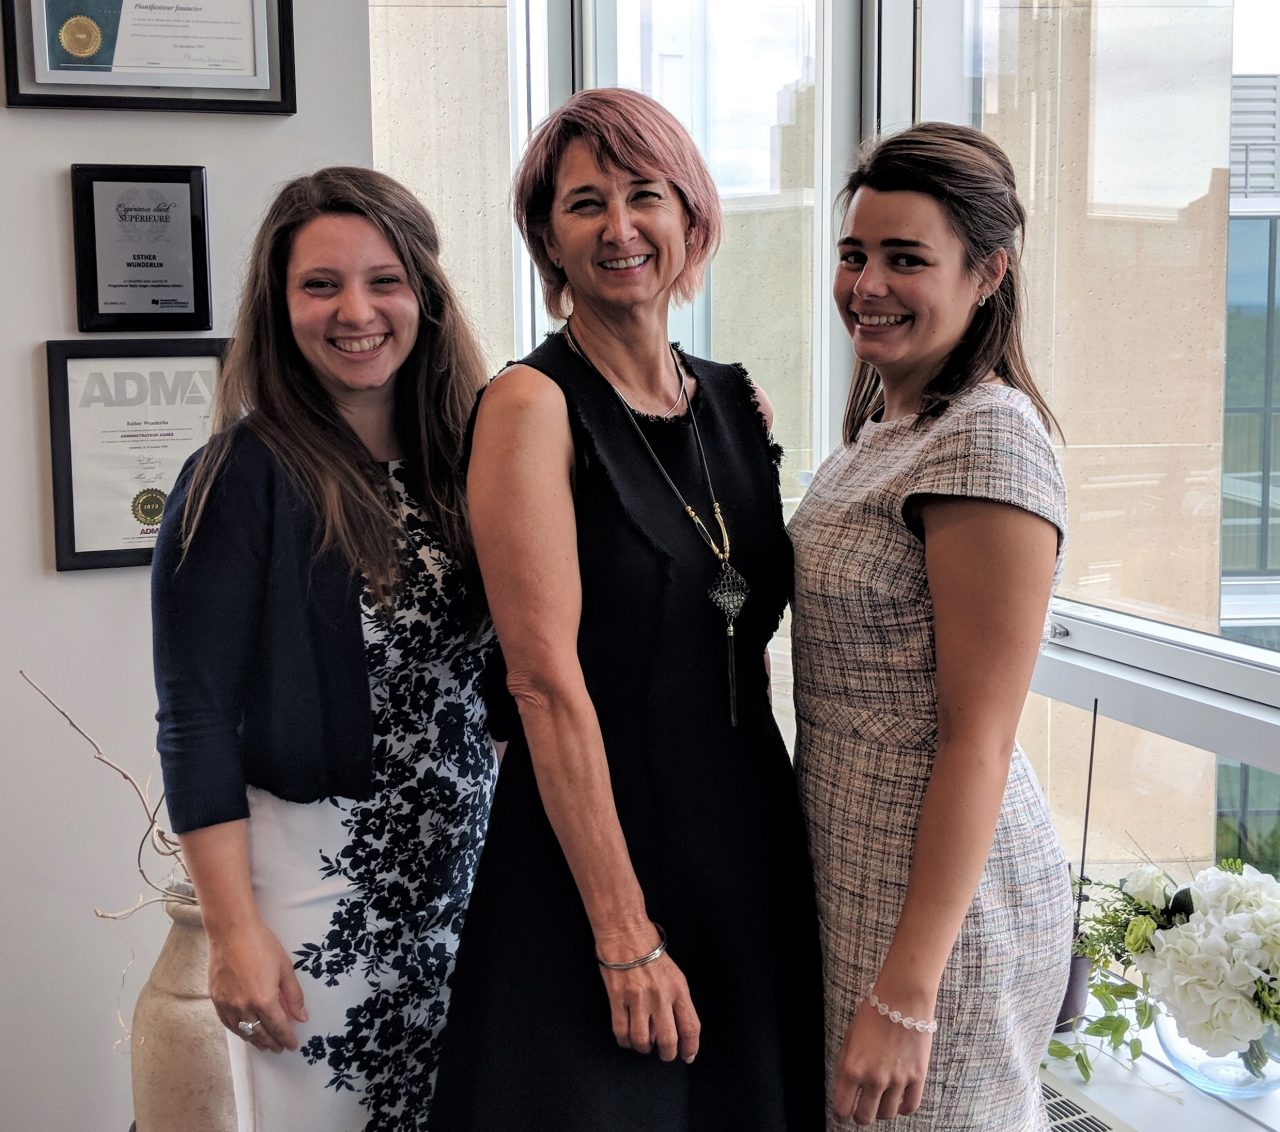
(731, 590)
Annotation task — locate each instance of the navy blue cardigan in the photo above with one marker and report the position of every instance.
(259, 651)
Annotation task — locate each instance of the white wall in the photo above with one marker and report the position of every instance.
(69, 828)
(451, 55)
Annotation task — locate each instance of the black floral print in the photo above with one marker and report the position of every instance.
(413, 847)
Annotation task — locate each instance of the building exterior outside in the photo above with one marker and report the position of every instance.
(1248, 808)
(1125, 278)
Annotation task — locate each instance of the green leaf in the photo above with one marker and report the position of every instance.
(1060, 1049)
(1181, 904)
(1124, 990)
(1135, 1048)
(1146, 1014)
(1082, 1064)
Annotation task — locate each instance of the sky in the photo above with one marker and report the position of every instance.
(1256, 47)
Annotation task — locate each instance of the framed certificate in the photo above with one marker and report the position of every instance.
(123, 416)
(142, 247)
(224, 55)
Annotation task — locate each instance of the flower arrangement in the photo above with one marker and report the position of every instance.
(1207, 953)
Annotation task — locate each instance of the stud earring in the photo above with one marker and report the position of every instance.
(982, 301)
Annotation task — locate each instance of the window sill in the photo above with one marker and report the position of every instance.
(1231, 726)
(1151, 1097)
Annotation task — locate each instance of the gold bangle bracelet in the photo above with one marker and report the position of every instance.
(656, 953)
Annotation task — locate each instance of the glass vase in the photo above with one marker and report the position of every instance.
(1227, 1077)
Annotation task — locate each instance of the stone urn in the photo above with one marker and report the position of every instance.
(181, 1073)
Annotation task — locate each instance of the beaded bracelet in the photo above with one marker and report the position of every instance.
(902, 1019)
(632, 964)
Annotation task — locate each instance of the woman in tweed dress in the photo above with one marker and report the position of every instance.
(926, 551)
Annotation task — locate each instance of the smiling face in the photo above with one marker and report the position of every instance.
(352, 309)
(619, 238)
(902, 288)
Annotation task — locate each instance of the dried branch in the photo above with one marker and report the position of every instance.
(142, 902)
(97, 751)
(161, 842)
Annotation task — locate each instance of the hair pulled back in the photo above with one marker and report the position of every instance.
(971, 178)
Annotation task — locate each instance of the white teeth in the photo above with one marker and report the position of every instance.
(630, 261)
(359, 345)
(881, 319)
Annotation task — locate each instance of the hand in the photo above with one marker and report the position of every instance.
(251, 978)
(881, 1070)
(650, 1005)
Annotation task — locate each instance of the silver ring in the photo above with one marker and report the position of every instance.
(247, 1028)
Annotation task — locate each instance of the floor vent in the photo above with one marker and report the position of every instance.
(1071, 1111)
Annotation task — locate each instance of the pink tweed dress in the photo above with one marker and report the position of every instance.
(866, 708)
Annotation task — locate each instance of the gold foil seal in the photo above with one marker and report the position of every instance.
(148, 506)
(80, 36)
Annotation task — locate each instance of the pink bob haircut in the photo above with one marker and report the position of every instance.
(626, 130)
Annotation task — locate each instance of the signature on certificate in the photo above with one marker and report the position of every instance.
(150, 470)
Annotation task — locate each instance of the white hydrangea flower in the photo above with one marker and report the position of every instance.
(1204, 971)
(1214, 890)
(1148, 884)
(1204, 987)
(1266, 922)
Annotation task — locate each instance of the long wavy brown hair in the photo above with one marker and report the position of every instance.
(971, 178)
(266, 385)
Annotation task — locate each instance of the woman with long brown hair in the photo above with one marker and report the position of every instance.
(319, 649)
(926, 551)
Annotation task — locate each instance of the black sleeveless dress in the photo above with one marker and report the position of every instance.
(709, 811)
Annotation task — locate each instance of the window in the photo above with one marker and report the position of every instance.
(1251, 428)
(1150, 272)
(756, 126)
(452, 59)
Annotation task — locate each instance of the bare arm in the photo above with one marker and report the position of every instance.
(987, 635)
(763, 404)
(522, 516)
(250, 976)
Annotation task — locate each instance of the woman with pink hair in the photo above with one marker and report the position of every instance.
(640, 951)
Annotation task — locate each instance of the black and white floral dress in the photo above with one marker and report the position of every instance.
(369, 896)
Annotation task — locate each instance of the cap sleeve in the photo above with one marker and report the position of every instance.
(996, 449)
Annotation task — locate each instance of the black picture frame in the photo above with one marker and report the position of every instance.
(132, 432)
(23, 89)
(100, 238)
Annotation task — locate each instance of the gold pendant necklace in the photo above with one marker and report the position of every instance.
(730, 592)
